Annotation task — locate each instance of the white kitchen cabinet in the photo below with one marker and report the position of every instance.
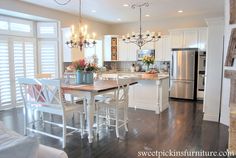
(111, 48)
(127, 51)
(166, 48)
(150, 95)
(190, 38)
(149, 45)
(162, 49)
(159, 50)
(67, 52)
(122, 50)
(202, 39)
(132, 52)
(177, 38)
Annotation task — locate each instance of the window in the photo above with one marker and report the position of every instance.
(24, 62)
(48, 57)
(17, 27)
(46, 30)
(17, 60)
(20, 58)
(5, 83)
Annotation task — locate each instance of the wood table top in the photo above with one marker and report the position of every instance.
(97, 86)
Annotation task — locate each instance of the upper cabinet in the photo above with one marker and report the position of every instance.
(176, 38)
(127, 51)
(149, 45)
(202, 39)
(189, 38)
(162, 49)
(111, 48)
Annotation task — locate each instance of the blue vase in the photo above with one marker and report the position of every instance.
(88, 77)
(79, 77)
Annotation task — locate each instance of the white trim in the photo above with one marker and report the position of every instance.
(211, 117)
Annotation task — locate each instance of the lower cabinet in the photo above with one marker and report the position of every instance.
(150, 95)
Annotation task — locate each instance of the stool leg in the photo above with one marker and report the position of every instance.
(117, 123)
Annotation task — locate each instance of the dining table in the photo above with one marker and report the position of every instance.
(89, 91)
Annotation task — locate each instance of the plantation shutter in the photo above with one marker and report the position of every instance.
(5, 83)
(24, 63)
(48, 57)
(18, 51)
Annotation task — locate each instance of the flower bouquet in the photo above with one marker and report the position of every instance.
(147, 60)
(84, 71)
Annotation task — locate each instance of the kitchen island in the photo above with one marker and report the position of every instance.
(151, 92)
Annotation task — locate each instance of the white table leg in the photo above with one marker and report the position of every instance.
(90, 117)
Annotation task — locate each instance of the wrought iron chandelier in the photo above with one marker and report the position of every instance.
(80, 37)
(140, 39)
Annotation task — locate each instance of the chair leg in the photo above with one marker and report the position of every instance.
(85, 108)
(126, 119)
(25, 121)
(81, 124)
(97, 120)
(63, 131)
(117, 123)
(33, 117)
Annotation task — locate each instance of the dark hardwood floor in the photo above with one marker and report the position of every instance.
(180, 127)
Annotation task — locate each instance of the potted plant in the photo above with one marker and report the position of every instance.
(89, 71)
(147, 60)
(79, 67)
(84, 71)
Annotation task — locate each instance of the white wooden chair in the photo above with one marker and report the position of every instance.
(113, 105)
(46, 96)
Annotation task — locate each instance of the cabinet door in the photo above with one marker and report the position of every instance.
(107, 48)
(190, 39)
(67, 57)
(166, 48)
(149, 45)
(159, 50)
(202, 39)
(122, 50)
(176, 39)
(132, 52)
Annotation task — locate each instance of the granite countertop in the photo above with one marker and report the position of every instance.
(140, 75)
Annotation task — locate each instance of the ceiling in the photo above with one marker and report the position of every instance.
(113, 11)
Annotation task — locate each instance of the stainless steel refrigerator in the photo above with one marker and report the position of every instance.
(183, 73)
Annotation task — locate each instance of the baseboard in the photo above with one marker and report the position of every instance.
(211, 117)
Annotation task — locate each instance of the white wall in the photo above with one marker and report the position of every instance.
(159, 26)
(214, 64)
(66, 19)
(226, 82)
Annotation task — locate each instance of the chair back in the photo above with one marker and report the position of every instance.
(31, 91)
(52, 93)
(123, 89)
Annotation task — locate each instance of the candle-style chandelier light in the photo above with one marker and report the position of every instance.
(80, 37)
(140, 39)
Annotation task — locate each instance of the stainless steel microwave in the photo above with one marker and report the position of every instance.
(146, 52)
